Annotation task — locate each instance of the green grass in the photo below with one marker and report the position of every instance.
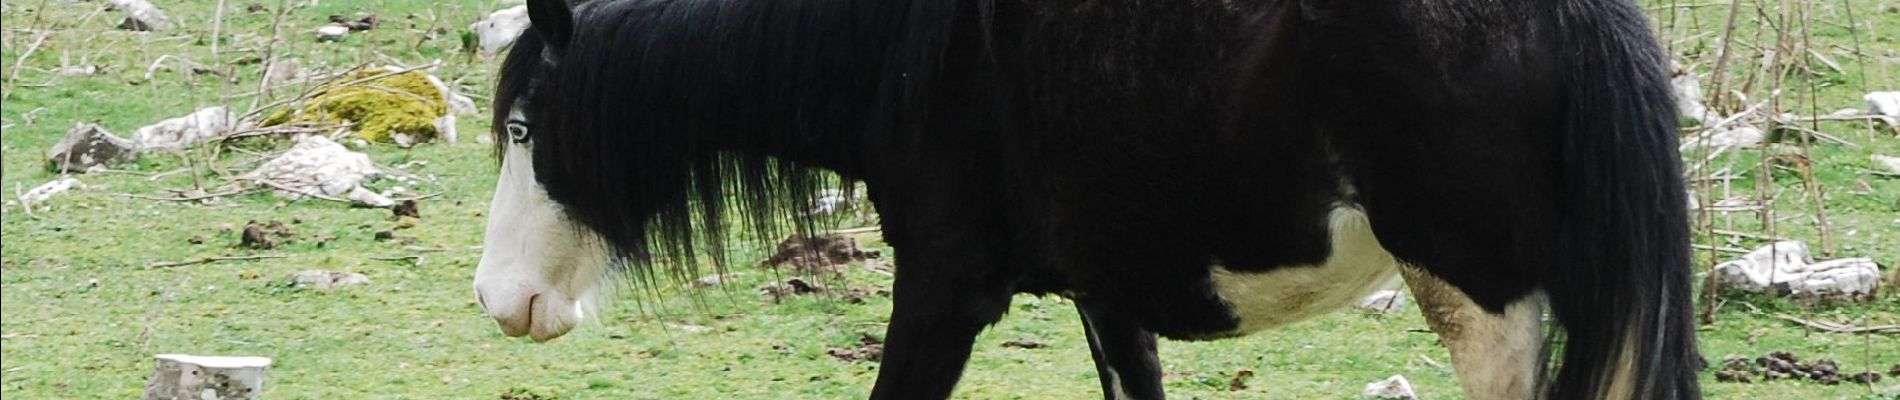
(415, 332)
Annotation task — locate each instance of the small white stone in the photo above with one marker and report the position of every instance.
(332, 33)
(325, 280)
(179, 376)
(1394, 388)
(77, 70)
(177, 134)
(1886, 164)
(366, 198)
(711, 280)
(1689, 104)
(46, 191)
(141, 15)
(1745, 136)
(1883, 103)
(445, 127)
(1383, 301)
(688, 328)
(498, 31)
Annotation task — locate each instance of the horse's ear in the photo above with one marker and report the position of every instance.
(553, 19)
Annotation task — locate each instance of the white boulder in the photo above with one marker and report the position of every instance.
(182, 377)
(177, 134)
(1883, 103)
(141, 15)
(316, 166)
(1786, 267)
(500, 29)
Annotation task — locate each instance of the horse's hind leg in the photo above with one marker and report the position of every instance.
(1496, 354)
(1124, 355)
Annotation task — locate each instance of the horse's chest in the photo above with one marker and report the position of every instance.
(1355, 266)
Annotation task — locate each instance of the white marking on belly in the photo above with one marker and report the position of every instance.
(1357, 266)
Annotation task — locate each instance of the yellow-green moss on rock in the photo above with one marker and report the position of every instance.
(404, 103)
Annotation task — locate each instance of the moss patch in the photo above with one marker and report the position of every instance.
(404, 103)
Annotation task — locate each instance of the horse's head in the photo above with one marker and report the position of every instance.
(619, 142)
(538, 266)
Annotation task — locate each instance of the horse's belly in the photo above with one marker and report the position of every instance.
(1356, 266)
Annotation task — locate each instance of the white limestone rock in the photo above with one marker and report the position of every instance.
(1394, 388)
(1383, 301)
(332, 33)
(88, 146)
(188, 377)
(1741, 136)
(316, 166)
(46, 191)
(1887, 164)
(141, 15)
(498, 31)
(1689, 104)
(326, 280)
(1786, 267)
(1883, 103)
(177, 134)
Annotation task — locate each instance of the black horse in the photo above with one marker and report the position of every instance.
(1194, 169)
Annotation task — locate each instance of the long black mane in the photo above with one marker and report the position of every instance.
(658, 112)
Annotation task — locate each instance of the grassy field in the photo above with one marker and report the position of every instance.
(83, 315)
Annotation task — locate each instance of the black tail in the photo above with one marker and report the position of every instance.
(1622, 289)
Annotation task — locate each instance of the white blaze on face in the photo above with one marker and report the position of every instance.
(537, 268)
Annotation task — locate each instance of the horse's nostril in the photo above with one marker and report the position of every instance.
(481, 300)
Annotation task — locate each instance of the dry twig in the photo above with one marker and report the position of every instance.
(207, 260)
(1835, 327)
(187, 198)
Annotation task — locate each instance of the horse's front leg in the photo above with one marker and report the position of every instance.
(1124, 354)
(951, 283)
(938, 311)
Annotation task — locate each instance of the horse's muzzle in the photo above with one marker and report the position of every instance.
(521, 309)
